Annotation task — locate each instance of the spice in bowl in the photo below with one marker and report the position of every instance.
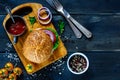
(78, 63)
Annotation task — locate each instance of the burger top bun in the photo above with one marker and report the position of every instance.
(37, 46)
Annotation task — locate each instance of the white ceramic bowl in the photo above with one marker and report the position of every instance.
(84, 56)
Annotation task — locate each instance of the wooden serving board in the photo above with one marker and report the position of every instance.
(57, 54)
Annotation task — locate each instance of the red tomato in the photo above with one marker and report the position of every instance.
(9, 66)
(4, 72)
(17, 71)
(12, 76)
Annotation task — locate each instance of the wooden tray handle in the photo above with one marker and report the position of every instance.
(33, 6)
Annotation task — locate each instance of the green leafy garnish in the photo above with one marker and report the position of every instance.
(31, 30)
(61, 25)
(56, 44)
(32, 20)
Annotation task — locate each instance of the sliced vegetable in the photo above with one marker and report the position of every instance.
(56, 43)
(44, 20)
(9, 66)
(51, 34)
(17, 71)
(44, 13)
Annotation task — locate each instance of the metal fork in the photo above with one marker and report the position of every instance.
(57, 5)
(77, 33)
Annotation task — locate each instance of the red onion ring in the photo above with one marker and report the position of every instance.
(46, 10)
(45, 20)
(51, 34)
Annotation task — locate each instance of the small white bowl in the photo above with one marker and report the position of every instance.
(86, 59)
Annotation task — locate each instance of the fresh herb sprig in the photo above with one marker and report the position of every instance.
(61, 25)
(32, 20)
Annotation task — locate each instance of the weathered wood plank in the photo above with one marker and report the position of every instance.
(106, 36)
(105, 29)
(103, 65)
(73, 6)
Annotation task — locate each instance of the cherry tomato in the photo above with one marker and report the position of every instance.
(29, 68)
(17, 71)
(1, 78)
(12, 76)
(4, 72)
(1, 74)
(9, 66)
(5, 79)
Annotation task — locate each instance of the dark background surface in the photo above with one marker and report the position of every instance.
(101, 17)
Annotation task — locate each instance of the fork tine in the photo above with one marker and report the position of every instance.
(51, 3)
(57, 2)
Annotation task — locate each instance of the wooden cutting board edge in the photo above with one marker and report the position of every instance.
(10, 37)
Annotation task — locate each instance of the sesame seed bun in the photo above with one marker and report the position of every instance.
(37, 46)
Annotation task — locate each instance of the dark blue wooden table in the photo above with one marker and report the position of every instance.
(101, 17)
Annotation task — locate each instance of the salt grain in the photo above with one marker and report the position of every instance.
(34, 75)
(58, 66)
(54, 67)
(7, 50)
(66, 37)
(9, 45)
(60, 73)
(40, 74)
(12, 57)
(27, 78)
(31, 78)
(50, 69)
(76, 47)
